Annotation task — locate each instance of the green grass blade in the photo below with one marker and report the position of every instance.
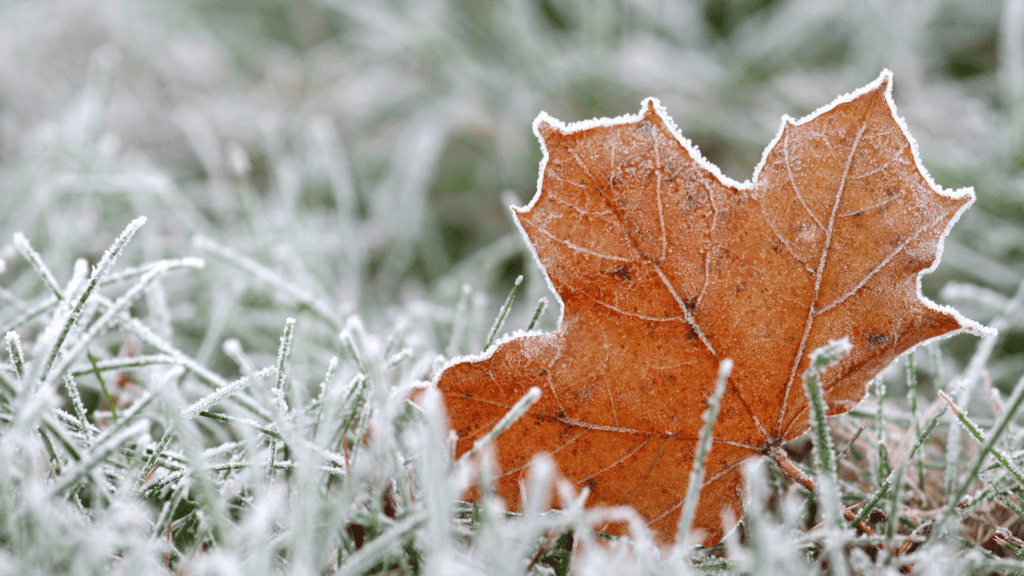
(824, 453)
(98, 273)
(109, 317)
(280, 390)
(884, 488)
(827, 486)
(16, 354)
(1012, 405)
(36, 261)
(542, 305)
(696, 482)
(978, 435)
(503, 313)
(514, 414)
(103, 385)
(97, 455)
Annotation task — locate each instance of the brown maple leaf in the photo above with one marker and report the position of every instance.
(664, 267)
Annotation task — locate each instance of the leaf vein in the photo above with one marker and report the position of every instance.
(822, 261)
(796, 189)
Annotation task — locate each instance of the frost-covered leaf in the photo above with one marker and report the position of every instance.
(664, 268)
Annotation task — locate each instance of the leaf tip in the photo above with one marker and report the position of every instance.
(885, 80)
(976, 328)
(545, 126)
(649, 107)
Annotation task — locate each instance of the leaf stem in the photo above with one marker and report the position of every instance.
(790, 469)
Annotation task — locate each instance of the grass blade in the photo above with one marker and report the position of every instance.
(98, 273)
(280, 390)
(97, 455)
(226, 391)
(503, 313)
(16, 354)
(542, 305)
(696, 481)
(36, 261)
(884, 488)
(824, 453)
(973, 429)
(827, 487)
(108, 317)
(514, 414)
(1012, 405)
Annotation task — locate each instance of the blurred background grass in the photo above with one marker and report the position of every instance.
(369, 150)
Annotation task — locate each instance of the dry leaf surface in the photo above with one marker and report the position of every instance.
(664, 268)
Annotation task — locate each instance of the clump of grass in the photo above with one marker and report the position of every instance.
(340, 473)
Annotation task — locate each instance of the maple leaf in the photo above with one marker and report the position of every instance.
(664, 267)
